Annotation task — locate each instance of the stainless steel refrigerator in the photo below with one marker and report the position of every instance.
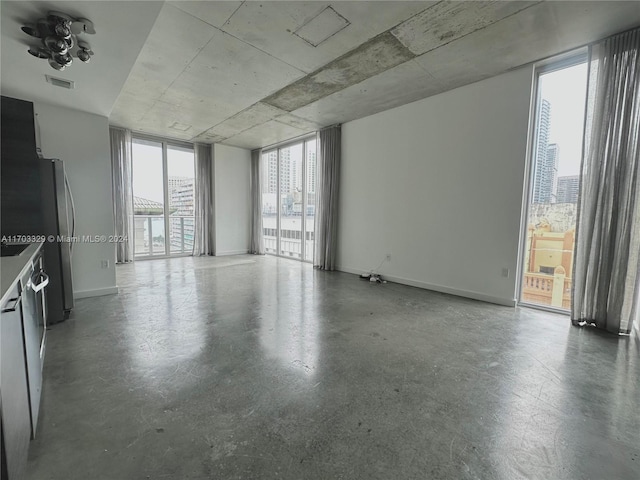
(58, 214)
(35, 200)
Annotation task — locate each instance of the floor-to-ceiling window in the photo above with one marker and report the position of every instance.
(163, 198)
(270, 201)
(148, 198)
(288, 199)
(181, 187)
(309, 206)
(556, 152)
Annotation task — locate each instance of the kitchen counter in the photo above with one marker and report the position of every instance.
(12, 268)
(22, 337)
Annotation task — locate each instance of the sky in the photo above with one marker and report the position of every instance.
(147, 168)
(566, 90)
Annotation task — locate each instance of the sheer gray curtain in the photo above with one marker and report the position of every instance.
(121, 150)
(328, 168)
(257, 238)
(605, 290)
(203, 241)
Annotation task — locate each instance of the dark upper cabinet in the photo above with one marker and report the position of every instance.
(21, 211)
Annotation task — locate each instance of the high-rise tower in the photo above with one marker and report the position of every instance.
(544, 171)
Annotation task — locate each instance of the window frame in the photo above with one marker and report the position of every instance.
(165, 143)
(303, 140)
(566, 60)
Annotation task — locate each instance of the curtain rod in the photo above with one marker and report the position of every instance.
(152, 137)
(285, 142)
(575, 49)
(299, 137)
(175, 141)
(331, 126)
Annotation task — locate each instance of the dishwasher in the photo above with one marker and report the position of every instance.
(33, 283)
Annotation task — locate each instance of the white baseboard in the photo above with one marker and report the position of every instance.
(438, 288)
(231, 252)
(98, 292)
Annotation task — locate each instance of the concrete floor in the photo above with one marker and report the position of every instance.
(258, 367)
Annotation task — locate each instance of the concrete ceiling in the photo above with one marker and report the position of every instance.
(254, 73)
(120, 35)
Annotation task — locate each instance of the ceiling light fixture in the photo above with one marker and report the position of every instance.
(58, 34)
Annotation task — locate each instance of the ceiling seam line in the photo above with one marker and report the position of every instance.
(275, 119)
(292, 126)
(178, 76)
(260, 50)
(244, 41)
(413, 16)
(234, 12)
(155, 102)
(481, 28)
(236, 114)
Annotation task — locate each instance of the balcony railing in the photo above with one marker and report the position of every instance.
(149, 234)
(289, 247)
(181, 229)
(543, 289)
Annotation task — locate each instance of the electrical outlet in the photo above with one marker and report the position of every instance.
(388, 257)
(104, 264)
(505, 272)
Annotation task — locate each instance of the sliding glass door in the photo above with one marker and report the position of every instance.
(163, 198)
(554, 179)
(181, 186)
(148, 199)
(290, 218)
(288, 200)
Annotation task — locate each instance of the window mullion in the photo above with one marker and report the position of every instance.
(165, 180)
(303, 214)
(278, 206)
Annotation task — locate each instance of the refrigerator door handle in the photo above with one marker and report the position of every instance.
(42, 284)
(73, 210)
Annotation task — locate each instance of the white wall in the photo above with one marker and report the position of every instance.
(81, 140)
(232, 199)
(438, 184)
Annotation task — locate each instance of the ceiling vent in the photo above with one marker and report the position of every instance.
(61, 82)
(182, 127)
